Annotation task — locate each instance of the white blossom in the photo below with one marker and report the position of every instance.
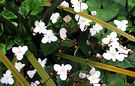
(96, 28)
(62, 70)
(113, 54)
(78, 5)
(93, 13)
(93, 77)
(67, 18)
(49, 37)
(19, 51)
(19, 66)
(40, 27)
(31, 73)
(98, 55)
(42, 62)
(82, 75)
(83, 22)
(54, 17)
(111, 40)
(7, 78)
(63, 32)
(36, 83)
(64, 4)
(121, 24)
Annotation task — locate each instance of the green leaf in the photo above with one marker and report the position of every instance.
(32, 47)
(9, 43)
(8, 14)
(106, 9)
(111, 79)
(49, 48)
(1, 29)
(85, 47)
(2, 48)
(28, 5)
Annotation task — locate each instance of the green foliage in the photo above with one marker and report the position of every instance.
(106, 9)
(2, 48)
(28, 5)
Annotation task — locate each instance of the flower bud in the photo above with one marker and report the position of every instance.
(101, 82)
(102, 34)
(51, 74)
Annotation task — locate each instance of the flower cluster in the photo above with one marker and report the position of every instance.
(93, 76)
(116, 51)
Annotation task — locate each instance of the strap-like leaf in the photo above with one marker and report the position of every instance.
(14, 71)
(41, 71)
(97, 64)
(10, 24)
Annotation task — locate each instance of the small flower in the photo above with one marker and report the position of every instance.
(36, 83)
(19, 51)
(82, 75)
(98, 55)
(93, 77)
(113, 54)
(67, 18)
(40, 27)
(62, 70)
(19, 66)
(121, 24)
(42, 62)
(111, 40)
(64, 4)
(93, 13)
(63, 32)
(31, 73)
(49, 37)
(7, 79)
(96, 28)
(83, 22)
(78, 5)
(54, 17)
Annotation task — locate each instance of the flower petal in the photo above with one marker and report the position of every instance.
(57, 67)
(63, 77)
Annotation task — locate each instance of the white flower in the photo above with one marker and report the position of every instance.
(42, 62)
(54, 17)
(49, 37)
(7, 79)
(78, 5)
(36, 83)
(83, 22)
(64, 4)
(121, 24)
(113, 54)
(19, 51)
(19, 66)
(93, 77)
(111, 40)
(98, 55)
(62, 70)
(67, 18)
(63, 32)
(96, 28)
(93, 13)
(31, 73)
(40, 27)
(123, 50)
(82, 75)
